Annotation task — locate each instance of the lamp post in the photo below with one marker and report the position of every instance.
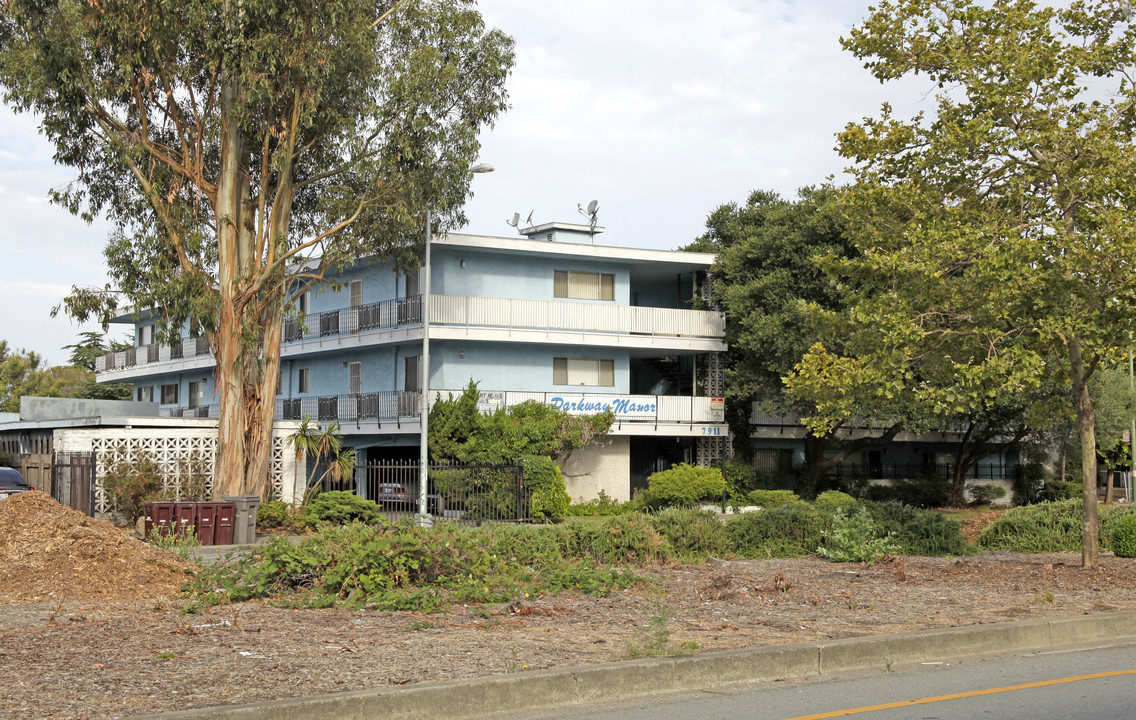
(424, 367)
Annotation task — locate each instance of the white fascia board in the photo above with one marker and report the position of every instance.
(593, 252)
(100, 421)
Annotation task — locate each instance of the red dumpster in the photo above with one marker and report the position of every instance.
(206, 522)
(185, 515)
(158, 515)
(223, 531)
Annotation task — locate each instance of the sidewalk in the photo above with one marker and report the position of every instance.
(545, 689)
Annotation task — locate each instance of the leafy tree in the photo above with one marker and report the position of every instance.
(245, 148)
(25, 373)
(459, 432)
(766, 276)
(93, 345)
(997, 236)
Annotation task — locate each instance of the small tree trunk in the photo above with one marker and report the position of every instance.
(1086, 425)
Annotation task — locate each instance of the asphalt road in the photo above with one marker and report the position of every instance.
(1083, 684)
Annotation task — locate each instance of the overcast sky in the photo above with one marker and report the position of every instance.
(659, 110)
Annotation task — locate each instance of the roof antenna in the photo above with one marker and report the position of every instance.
(516, 221)
(590, 213)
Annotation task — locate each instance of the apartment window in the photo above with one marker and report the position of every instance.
(170, 394)
(412, 285)
(356, 288)
(354, 378)
(196, 393)
(145, 335)
(583, 371)
(145, 394)
(305, 379)
(304, 302)
(412, 366)
(583, 285)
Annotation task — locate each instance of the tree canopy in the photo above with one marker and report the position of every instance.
(245, 148)
(997, 234)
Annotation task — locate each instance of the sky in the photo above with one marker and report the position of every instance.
(659, 110)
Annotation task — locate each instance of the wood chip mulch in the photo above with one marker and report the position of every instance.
(112, 641)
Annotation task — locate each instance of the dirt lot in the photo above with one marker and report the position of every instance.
(87, 653)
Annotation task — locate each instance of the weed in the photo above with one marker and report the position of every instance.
(419, 625)
(887, 665)
(655, 640)
(855, 537)
(515, 665)
(181, 543)
(166, 656)
(1046, 597)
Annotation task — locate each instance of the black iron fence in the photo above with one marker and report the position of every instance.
(464, 493)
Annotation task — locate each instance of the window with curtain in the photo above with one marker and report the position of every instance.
(583, 371)
(583, 285)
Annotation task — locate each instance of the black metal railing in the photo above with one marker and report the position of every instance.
(389, 406)
(463, 493)
(359, 318)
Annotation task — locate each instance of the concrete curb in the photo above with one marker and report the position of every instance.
(544, 689)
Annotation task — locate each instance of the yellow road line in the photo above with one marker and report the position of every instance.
(956, 696)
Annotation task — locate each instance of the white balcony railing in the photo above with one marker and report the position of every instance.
(459, 311)
(577, 317)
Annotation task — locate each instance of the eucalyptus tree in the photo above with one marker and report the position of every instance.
(996, 234)
(245, 148)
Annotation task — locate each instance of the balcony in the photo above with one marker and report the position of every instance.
(377, 407)
(629, 324)
(456, 316)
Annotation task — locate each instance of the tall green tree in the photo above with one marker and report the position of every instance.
(244, 149)
(26, 373)
(768, 279)
(996, 235)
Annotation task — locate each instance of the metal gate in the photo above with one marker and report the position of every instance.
(73, 480)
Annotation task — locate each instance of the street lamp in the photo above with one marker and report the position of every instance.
(424, 366)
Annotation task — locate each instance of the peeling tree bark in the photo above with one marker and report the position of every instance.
(1086, 425)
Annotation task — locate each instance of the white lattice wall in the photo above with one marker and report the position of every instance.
(179, 452)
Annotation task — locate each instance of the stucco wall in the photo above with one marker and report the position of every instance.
(604, 466)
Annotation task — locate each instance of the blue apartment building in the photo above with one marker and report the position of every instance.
(549, 316)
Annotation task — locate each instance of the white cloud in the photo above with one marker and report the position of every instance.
(661, 110)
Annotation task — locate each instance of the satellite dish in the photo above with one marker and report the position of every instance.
(515, 221)
(528, 220)
(593, 206)
(590, 213)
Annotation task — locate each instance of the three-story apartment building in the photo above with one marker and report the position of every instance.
(549, 316)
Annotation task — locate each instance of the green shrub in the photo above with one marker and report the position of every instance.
(130, 484)
(1029, 483)
(1123, 537)
(855, 537)
(685, 485)
(1041, 528)
(340, 507)
(917, 531)
(692, 535)
(630, 538)
(602, 505)
(926, 493)
(986, 494)
(1110, 518)
(277, 514)
(1057, 490)
(835, 499)
(741, 477)
(404, 567)
(767, 499)
(786, 531)
(548, 499)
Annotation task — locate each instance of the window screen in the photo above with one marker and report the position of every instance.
(170, 394)
(305, 376)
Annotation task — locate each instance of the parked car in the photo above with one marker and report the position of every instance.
(11, 482)
(395, 497)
